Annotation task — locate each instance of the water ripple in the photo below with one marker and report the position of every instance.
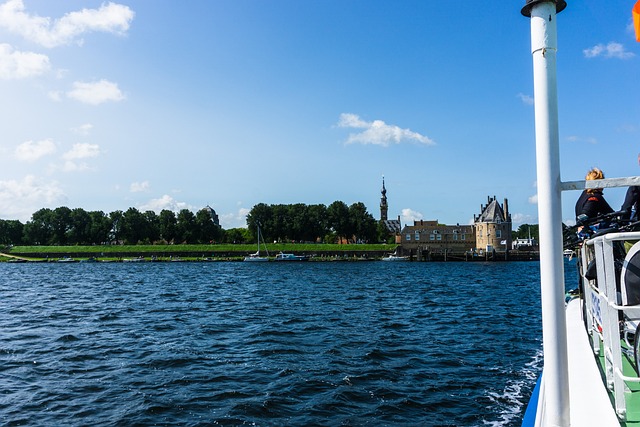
(317, 344)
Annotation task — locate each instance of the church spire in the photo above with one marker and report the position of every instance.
(384, 207)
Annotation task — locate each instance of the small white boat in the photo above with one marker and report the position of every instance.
(291, 257)
(394, 257)
(255, 257)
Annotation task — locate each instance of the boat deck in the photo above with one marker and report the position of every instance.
(632, 397)
(590, 404)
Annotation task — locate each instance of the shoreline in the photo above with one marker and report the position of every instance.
(185, 254)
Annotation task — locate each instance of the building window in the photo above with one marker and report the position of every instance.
(408, 237)
(417, 235)
(432, 237)
(463, 237)
(498, 234)
(455, 236)
(439, 236)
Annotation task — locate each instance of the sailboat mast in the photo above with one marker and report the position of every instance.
(543, 48)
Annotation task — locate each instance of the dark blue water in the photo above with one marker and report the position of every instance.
(268, 344)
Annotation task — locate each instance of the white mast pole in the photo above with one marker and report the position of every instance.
(543, 47)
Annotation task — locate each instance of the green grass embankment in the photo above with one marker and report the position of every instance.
(192, 252)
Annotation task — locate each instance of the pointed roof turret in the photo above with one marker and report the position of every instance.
(493, 212)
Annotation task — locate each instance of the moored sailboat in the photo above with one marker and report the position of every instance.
(256, 257)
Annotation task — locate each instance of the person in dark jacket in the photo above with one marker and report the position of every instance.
(591, 202)
(631, 203)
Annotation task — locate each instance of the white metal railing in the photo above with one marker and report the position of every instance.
(603, 302)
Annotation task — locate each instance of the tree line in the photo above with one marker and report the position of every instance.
(65, 226)
(296, 222)
(525, 231)
(316, 223)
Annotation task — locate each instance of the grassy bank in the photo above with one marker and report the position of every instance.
(190, 252)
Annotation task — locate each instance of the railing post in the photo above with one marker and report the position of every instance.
(554, 324)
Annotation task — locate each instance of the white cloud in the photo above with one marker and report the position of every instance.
(533, 199)
(83, 130)
(82, 151)
(138, 187)
(378, 132)
(164, 202)
(575, 138)
(110, 18)
(520, 218)
(30, 151)
(79, 152)
(95, 93)
(611, 50)
(20, 199)
(15, 64)
(71, 166)
(234, 219)
(55, 95)
(526, 99)
(408, 216)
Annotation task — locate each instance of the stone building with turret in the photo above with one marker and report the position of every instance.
(493, 226)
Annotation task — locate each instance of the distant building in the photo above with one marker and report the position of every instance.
(393, 226)
(528, 244)
(490, 231)
(493, 226)
(213, 214)
(427, 238)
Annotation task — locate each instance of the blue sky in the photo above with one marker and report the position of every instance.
(171, 104)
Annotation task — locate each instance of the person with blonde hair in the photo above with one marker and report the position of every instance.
(591, 202)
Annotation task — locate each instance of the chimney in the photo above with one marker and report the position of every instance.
(505, 208)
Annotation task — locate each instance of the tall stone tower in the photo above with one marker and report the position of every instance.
(384, 207)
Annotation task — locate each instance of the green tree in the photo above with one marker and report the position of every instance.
(116, 218)
(338, 219)
(132, 227)
(526, 230)
(168, 226)
(79, 227)
(99, 228)
(263, 214)
(11, 232)
(207, 230)
(279, 228)
(39, 230)
(61, 220)
(236, 235)
(363, 225)
(186, 226)
(316, 223)
(152, 227)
